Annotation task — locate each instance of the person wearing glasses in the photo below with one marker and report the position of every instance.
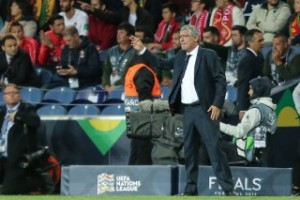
(19, 123)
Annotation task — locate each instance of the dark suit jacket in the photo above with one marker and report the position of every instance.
(210, 82)
(249, 67)
(20, 141)
(20, 71)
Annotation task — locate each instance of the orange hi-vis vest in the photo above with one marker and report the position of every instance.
(131, 94)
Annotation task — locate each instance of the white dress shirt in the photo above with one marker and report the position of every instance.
(188, 91)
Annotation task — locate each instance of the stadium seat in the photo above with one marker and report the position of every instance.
(2, 103)
(231, 93)
(63, 95)
(165, 92)
(87, 109)
(31, 95)
(117, 93)
(51, 110)
(96, 95)
(266, 50)
(117, 109)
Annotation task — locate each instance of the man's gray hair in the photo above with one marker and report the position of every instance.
(193, 30)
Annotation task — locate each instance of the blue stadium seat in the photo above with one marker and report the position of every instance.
(31, 95)
(117, 109)
(231, 94)
(266, 50)
(2, 103)
(165, 92)
(116, 93)
(51, 110)
(87, 109)
(96, 95)
(63, 95)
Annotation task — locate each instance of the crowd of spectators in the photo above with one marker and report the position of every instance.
(39, 28)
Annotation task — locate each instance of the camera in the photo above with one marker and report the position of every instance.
(30, 158)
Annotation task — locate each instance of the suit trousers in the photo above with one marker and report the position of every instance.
(198, 125)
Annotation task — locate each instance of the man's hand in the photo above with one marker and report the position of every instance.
(215, 112)
(86, 6)
(45, 39)
(136, 43)
(67, 72)
(109, 88)
(277, 57)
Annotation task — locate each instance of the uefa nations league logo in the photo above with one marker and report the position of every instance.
(113, 183)
(106, 183)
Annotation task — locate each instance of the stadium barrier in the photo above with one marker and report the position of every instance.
(118, 180)
(248, 181)
(168, 180)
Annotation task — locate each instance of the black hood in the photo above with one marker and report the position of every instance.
(261, 87)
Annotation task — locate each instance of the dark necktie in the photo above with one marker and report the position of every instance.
(178, 85)
(186, 62)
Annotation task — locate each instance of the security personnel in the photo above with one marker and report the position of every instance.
(141, 83)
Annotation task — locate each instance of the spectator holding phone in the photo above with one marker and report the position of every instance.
(79, 64)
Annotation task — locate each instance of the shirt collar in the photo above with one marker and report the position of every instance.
(8, 57)
(13, 108)
(252, 51)
(194, 51)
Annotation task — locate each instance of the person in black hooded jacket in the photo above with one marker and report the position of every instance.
(79, 65)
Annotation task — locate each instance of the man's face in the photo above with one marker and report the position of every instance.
(209, 38)
(17, 32)
(122, 37)
(257, 42)
(272, 2)
(96, 4)
(250, 92)
(221, 3)
(176, 40)
(11, 96)
(10, 47)
(297, 6)
(127, 3)
(139, 34)
(72, 41)
(66, 5)
(236, 38)
(280, 45)
(195, 5)
(188, 42)
(15, 10)
(58, 26)
(167, 15)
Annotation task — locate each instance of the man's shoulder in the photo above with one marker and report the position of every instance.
(206, 52)
(80, 13)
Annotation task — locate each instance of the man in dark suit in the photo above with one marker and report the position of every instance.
(249, 67)
(17, 138)
(15, 65)
(199, 88)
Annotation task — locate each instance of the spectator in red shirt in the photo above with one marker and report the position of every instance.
(28, 44)
(166, 28)
(200, 16)
(101, 33)
(52, 43)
